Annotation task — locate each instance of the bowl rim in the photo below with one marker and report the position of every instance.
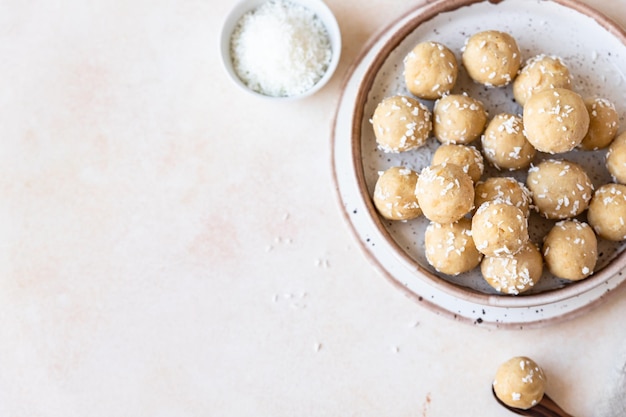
(428, 12)
(321, 10)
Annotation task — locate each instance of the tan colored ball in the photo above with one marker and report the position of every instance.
(499, 228)
(430, 70)
(445, 193)
(560, 189)
(555, 120)
(504, 143)
(607, 212)
(603, 124)
(458, 118)
(467, 157)
(492, 58)
(513, 274)
(520, 382)
(506, 189)
(540, 73)
(570, 250)
(394, 194)
(450, 248)
(401, 124)
(616, 158)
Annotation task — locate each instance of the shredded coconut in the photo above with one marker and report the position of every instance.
(280, 49)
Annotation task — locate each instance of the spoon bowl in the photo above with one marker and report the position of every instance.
(545, 408)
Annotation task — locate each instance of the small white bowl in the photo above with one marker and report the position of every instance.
(316, 6)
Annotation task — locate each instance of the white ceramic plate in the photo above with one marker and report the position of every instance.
(594, 49)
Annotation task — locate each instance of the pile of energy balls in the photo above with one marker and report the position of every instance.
(484, 221)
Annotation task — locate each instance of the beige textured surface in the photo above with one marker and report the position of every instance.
(174, 247)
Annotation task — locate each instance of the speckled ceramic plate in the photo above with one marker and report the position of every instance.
(594, 49)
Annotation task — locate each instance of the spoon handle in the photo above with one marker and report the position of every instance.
(548, 408)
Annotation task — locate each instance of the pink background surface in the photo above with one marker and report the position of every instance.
(173, 247)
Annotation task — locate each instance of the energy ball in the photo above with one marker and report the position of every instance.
(520, 382)
(555, 120)
(607, 212)
(616, 158)
(445, 193)
(540, 73)
(570, 250)
(603, 124)
(430, 70)
(458, 118)
(467, 157)
(504, 143)
(450, 248)
(499, 228)
(513, 274)
(492, 58)
(394, 194)
(560, 189)
(401, 124)
(506, 189)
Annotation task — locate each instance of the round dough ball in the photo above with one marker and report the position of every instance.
(514, 274)
(560, 189)
(607, 212)
(467, 157)
(458, 118)
(430, 70)
(603, 124)
(555, 120)
(445, 193)
(504, 143)
(506, 189)
(401, 124)
(570, 250)
(616, 158)
(520, 382)
(540, 73)
(499, 228)
(394, 194)
(450, 248)
(492, 58)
